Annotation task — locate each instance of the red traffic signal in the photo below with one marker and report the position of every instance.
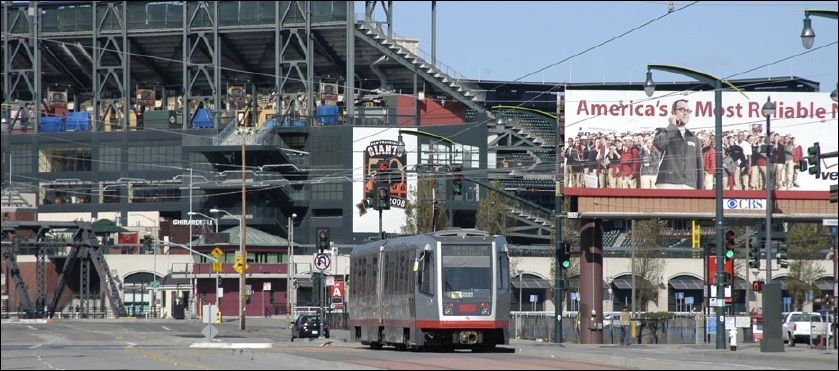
(757, 286)
(384, 197)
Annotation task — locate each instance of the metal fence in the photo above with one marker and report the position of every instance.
(678, 329)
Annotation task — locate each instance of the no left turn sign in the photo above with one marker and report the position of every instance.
(322, 261)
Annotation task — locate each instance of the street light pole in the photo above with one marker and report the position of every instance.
(154, 264)
(716, 83)
(244, 264)
(290, 273)
(242, 235)
(768, 109)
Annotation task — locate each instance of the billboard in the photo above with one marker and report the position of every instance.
(373, 147)
(626, 140)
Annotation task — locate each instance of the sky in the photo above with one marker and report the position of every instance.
(604, 41)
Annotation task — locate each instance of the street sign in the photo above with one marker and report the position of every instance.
(217, 267)
(155, 284)
(210, 331)
(216, 252)
(337, 290)
(830, 222)
(322, 261)
(239, 265)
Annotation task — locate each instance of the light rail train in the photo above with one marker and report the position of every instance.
(443, 290)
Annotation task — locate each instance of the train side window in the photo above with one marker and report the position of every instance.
(503, 272)
(426, 275)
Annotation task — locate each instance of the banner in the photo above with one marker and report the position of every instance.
(128, 238)
(237, 96)
(57, 99)
(146, 97)
(629, 140)
(329, 92)
(371, 148)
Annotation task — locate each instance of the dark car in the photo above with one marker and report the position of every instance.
(308, 326)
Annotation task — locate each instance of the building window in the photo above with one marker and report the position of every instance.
(110, 157)
(328, 191)
(64, 158)
(154, 156)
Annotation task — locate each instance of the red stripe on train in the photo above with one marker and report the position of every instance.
(433, 324)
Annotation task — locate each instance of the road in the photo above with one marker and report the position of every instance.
(266, 344)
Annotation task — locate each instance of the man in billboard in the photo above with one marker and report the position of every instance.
(681, 164)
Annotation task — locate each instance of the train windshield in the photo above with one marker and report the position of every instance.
(467, 271)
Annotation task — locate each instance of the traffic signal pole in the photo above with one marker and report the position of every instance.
(558, 244)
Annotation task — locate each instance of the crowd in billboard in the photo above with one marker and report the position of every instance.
(670, 152)
(631, 160)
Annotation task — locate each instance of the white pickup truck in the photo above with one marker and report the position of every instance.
(804, 327)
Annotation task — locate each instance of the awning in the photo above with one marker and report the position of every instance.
(575, 282)
(304, 282)
(825, 285)
(530, 283)
(686, 283)
(622, 283)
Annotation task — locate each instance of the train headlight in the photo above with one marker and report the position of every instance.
(484, 310)
(447, 310)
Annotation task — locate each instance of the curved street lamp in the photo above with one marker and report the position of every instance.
(717, 84)
(215, 220)
(808, 36)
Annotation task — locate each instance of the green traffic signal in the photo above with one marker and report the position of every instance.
(565, 256)
(814, 158)
(729, 254)
(729, 245)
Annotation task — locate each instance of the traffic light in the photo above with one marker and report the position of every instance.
(383, 193)
(382, 187)
(323, 240)
(754, 251)
(813, 158)
(783, 251)
(457, 181)
(757, 286)
(147, 243)
(725, 279)
(729, 245)
(834, 193)
(565, 256)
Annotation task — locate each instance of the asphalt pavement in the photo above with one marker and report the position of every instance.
(643, 356)
(266, 333)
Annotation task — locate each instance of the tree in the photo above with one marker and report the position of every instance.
(424, 212)
(648, 263)
(493, 212)
(805, 241)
